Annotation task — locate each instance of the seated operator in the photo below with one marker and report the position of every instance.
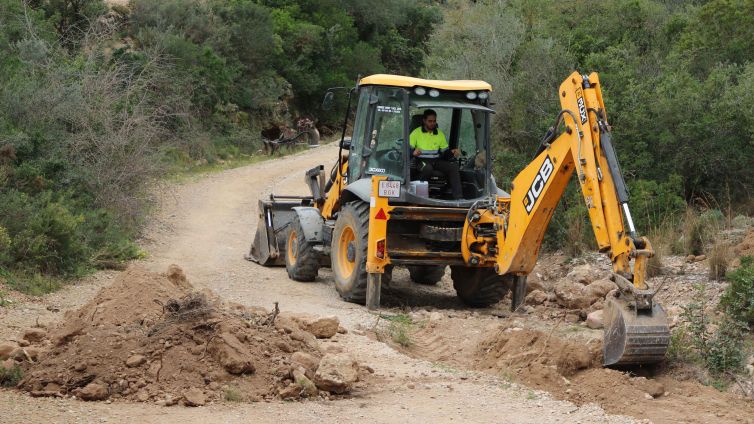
(431, 152)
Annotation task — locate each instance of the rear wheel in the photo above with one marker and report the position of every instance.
(301, 261)
(426, 274)
(349, 252)
(479, 287)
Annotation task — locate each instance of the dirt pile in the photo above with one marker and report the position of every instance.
(151, 337)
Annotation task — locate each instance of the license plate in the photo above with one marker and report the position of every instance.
(389, 189)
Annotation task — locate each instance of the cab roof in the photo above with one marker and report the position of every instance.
(401, 81)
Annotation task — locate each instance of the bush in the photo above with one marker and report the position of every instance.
(738, 299)
(717, 343)
(9, 377)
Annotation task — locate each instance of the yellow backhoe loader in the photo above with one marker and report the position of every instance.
(371, 212)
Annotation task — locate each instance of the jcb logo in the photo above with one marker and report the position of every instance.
(545, 171)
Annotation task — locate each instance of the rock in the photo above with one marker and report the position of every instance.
(52, 388)
(34, 335)
(336, 373)
(177, 276)
(690, 258)
(306, 361)
(536, 297)
(435, 316)
(231, 354)
(700, 258)
(8, 364)
(572, 318)
(6, 349)
(584, 274)
(194, 397)
(308, 388)
(342, 330)
(321, 328)
(652, 387)
(292, 391)
(80, 367)
(533, 282)
(283, 346)
(24, 343)
(599, 289)
(595, 319)
(94, 391)
(570, 294)
(135, 361)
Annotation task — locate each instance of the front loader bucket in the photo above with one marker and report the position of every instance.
(634, 337)
(275, 215)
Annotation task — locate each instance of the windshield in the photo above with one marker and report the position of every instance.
(386, 140)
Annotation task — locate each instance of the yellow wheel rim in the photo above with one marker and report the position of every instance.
(346, 265)
(292, 246)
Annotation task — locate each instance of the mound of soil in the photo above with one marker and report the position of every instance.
(151, 337)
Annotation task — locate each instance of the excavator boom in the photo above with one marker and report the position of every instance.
(636, 329)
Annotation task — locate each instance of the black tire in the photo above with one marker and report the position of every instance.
(349, 252)
(301, 260)
(426, 274)
(479, 287)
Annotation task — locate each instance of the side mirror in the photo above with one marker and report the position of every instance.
(345, 144)
(328, 100)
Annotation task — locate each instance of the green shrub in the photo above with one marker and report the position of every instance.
(738, 299)
(10, 377)
(717, 343)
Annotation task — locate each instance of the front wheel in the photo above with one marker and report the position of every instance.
(301, 260)
(479, 287)
(349, 251)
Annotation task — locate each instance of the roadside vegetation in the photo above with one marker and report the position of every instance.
(99, 102)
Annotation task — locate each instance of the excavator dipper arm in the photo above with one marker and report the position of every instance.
(636, 329)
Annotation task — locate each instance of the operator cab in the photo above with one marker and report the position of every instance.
(391, 107)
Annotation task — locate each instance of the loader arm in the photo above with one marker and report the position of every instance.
(636, 328)
(538, 188)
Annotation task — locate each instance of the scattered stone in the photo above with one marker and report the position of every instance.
(178, 277)
(292, 391)
(599, 288)
(80, 367)
(93, 391)
(34, 335)
(24, 343)
(308, 388)
(342, 330)
(572, 318)
(533, 282)
(134, 361)
(647, 396)
(336, 373)
(652, 387)
(595, 320)
(194, 397)
(306, 361)
(536, 297)
(321, 328)
(584, 274)
(6, 349)
(232, 355)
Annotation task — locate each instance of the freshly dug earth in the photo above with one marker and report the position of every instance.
(150, 337)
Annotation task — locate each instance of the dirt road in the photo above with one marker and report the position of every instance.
(206, 226)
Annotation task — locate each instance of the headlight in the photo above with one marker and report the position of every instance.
(471, 95)
(434, 93)
(483, 95)
(420, 91)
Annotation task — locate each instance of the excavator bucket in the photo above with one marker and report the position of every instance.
(275, 215)
(634, 336)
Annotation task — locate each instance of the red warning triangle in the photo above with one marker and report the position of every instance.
(381, 214)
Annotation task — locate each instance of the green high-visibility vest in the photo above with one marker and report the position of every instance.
(424, 140)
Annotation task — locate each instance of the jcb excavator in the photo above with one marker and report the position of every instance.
(371, 213)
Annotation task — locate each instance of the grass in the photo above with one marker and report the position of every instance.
(232, 394)
(10, 377)
(30, 284)
(530, 395)
(3, 300)
(399, 328)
